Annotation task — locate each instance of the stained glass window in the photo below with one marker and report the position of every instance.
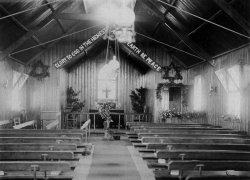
(107, 85)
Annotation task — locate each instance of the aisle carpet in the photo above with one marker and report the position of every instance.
(112, 161)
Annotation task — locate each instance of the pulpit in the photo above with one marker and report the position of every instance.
(114, 113)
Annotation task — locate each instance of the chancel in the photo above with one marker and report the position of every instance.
(125, 89)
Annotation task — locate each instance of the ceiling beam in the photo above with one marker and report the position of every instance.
(81, 4)
(76, 16)
(188, 42)
(157, 26)
(167, 50)
(18, 23)
(30, 33)
(53, 11)
(90, 17)
(53, 15)
(230, 11)
(52, 44)
(204, 23)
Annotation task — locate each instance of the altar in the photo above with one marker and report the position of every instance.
(116, 115)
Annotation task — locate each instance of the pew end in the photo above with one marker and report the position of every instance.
(86, 128)
(26, 124)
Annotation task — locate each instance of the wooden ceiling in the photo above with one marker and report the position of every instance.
(158, 20)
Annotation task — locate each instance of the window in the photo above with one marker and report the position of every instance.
(230, 79)
(107, 85)
(17, 83)
(233, 91)
(197, 93)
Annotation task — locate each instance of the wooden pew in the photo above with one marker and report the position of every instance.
(225, 176)
(18, 131)
(26, 165)
(25, 124)
(184, 128)
(36, 155)
(208, 146)
(38, 147)
(35, 170)
(74, 140)
(177, 128)
(204, 165)
(33, 134)
(194, 140)
(196, 154)
(174, 131)
(153, 123)
(141, 135)
(205, 175)
(141, 126)
(134, 134)
(5, 123)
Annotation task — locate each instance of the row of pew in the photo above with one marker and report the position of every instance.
(192, 151)
(41, 154)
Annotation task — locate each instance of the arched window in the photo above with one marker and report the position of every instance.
(107, 84)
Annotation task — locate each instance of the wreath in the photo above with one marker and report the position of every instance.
(172, 72)
(39, 70)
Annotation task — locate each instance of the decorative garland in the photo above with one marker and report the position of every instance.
(162, 86)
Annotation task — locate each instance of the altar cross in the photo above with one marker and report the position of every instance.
(106, 91)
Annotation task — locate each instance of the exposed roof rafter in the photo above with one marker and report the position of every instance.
(53, 11)
(82, 6)
(89, 17)
(52, 44)
(171, 55)
(192, 45)
(30, 33)
(204, 23)
(230, 11)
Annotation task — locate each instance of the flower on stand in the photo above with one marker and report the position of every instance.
(104, 110)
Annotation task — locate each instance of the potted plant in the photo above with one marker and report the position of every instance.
(138, 99)
(74, 104)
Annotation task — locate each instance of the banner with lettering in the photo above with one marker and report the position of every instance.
(66, 59)
(151, 63)
(142, 55)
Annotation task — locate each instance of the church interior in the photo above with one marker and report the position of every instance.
(125, 89)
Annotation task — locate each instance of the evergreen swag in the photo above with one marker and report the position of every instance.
(161, 86)
(74, 102)
(138, 99)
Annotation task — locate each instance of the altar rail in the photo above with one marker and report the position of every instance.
(75, 120)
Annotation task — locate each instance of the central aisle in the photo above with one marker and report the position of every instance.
(112, 161)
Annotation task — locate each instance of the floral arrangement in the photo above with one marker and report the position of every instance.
(169, 114)
(104, 110)
(194, 115)
(231, 118)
